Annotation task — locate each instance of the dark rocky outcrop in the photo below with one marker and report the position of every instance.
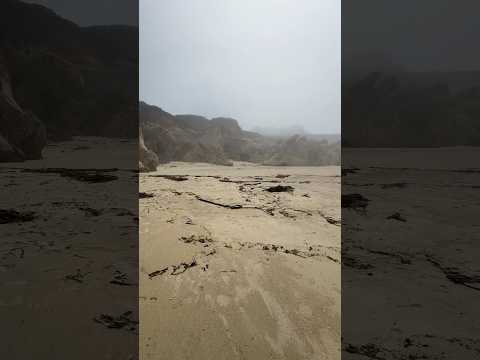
(184, 138)
(220, 141)
(385, 109)
(22, 134)
(61, 80)
(148, 161)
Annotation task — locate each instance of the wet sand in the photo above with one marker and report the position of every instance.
(229, 270)
(68, 259)
(410, 256)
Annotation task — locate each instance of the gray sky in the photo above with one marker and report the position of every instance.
(262, 62)
(419, 35)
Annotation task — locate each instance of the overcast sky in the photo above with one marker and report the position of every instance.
(263, 62)
(419, 35)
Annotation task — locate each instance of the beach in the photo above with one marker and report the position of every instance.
(240, 262)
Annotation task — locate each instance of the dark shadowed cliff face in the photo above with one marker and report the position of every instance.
(22, 134)
(194, 138)
(412, 110)
(76, 81)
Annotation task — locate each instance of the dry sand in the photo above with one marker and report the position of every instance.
(231, 271)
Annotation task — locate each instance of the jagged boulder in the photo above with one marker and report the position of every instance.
(148, 161)
(22, 134)
(7, 152)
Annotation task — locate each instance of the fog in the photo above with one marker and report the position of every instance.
(268, 63)
(418, 35)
